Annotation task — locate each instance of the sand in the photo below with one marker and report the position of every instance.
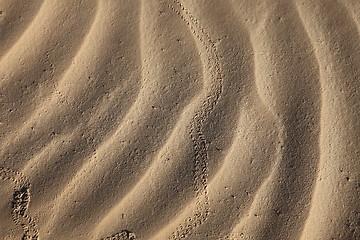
(168, 119)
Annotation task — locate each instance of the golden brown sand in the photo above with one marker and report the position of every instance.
(167, 119)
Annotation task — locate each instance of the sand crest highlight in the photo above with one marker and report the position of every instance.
(179, 119)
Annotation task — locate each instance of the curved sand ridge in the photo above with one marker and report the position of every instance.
(180, 119)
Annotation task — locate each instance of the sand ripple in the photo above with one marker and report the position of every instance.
(180, 119)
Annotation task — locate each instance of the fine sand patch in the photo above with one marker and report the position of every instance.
(180, 119)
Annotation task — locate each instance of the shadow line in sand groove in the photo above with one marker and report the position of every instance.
(180, 120)
(20, 203)
(211, 66)
(15, 38)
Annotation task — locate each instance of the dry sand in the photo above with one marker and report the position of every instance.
(192, 119)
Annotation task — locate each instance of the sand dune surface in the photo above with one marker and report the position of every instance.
(180, 119)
